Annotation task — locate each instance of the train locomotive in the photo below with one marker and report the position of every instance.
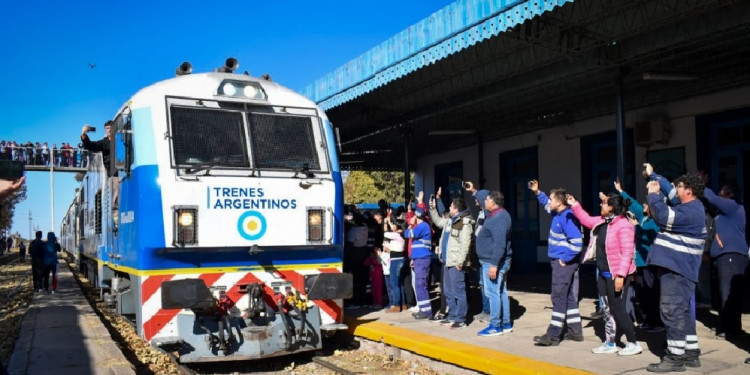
(216, 226)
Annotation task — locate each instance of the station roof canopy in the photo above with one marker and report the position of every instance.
(489, 69)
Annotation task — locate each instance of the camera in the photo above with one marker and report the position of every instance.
(432, 197)
(91, 129)
(466, 184)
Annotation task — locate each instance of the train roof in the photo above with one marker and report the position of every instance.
(206, 85)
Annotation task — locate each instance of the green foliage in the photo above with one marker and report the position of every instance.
(370, 187)
(8, 206)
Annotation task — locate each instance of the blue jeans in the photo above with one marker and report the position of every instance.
(485, 302)
(455, 293)
(491, 289)
(504, 300)
(396, 295)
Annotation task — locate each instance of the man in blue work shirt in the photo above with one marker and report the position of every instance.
(493, 244)
(564, 249)
(729, 257)
(677, 253)
(421, 253)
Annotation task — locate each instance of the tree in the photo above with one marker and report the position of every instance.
(8, 206)
(370, 187)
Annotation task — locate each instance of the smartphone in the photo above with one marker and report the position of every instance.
(11, 169)
(91, 129)
(432, 197)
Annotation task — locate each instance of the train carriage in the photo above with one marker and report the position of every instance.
(219, 230)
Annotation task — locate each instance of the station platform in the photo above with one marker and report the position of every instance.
(515, 352)
(62, 335)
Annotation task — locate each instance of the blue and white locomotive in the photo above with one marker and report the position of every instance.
(220, 234)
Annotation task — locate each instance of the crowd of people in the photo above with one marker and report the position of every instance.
(647, 257)
(41, 154)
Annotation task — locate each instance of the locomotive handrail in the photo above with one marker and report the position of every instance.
(330, 211)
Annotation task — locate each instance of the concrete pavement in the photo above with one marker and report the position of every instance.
(515, 352)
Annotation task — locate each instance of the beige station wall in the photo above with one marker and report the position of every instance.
(556, 171)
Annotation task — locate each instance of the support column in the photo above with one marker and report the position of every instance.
(407, 179)
(620, 119)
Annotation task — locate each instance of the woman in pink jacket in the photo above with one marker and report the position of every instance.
(613, 242)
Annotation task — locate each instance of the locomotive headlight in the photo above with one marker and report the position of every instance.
(185, 220)
(315, 224)
(250, 91)
(228, 89)
(241, 89)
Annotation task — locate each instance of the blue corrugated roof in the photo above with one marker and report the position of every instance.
(445, 32)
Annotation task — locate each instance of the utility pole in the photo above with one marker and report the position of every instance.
(30, 226)
(52, 197)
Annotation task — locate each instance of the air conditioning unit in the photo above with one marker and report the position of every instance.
(649, 132)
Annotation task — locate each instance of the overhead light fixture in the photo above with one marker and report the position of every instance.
(651, 76)
(452, 132)
(351, 161)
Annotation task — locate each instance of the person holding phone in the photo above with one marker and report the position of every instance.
(613, 241)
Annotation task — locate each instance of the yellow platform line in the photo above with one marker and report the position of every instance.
(458, 353)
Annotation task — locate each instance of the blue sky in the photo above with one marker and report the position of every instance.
(49, 91)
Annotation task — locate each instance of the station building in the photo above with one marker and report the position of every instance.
(574, 93)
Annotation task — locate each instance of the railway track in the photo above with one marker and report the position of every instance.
(337, 357)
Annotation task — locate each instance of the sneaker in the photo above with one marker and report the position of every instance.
(605, 348)
(457, 325)
(631, 349)
(437, 318)
(490, 331)
(352, 307)
(414, 309)
(507, 328)
(446, 322)
(573, 337)
(545, 340)
(420, 316)
(695, 362)
(52, 292)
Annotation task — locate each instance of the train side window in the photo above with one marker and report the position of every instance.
(98, 212)
(122, 143)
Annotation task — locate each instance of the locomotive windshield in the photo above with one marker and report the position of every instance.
(204, 138)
